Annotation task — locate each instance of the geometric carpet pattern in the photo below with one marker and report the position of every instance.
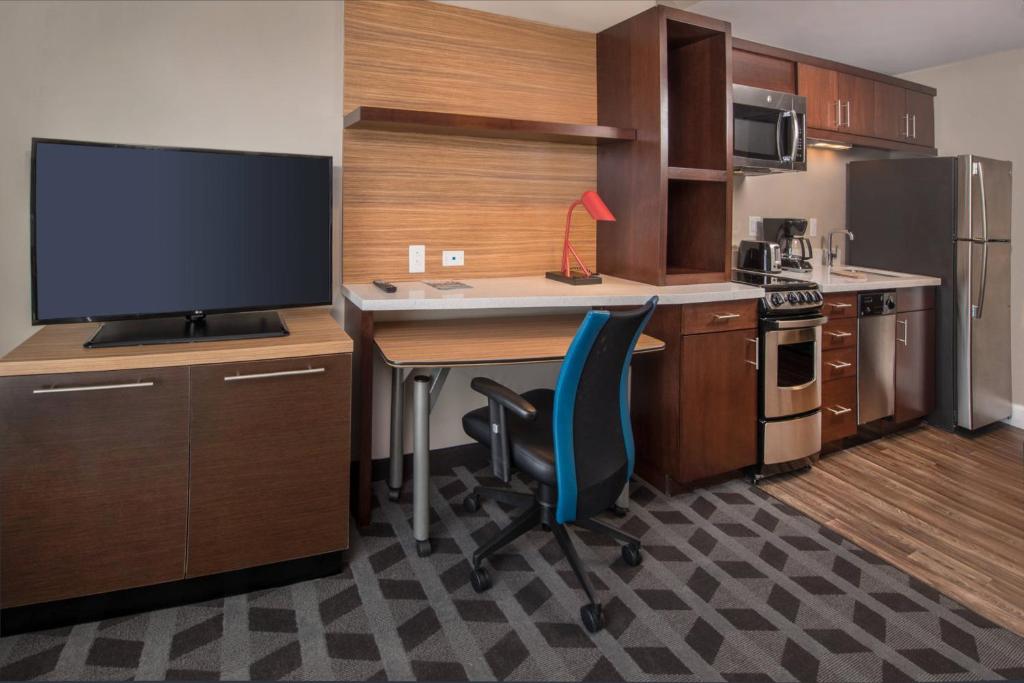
(735, 586)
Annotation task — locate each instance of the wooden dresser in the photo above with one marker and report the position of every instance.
(133, 466)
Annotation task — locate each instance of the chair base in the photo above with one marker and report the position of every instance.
(539, 510)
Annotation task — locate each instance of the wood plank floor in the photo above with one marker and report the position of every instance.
(945, 508)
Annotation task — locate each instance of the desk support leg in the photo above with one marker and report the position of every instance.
(396, 474)
(421, 464)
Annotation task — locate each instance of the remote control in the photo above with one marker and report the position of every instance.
(386, 286)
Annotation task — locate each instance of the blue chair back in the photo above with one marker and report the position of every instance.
(593, 438)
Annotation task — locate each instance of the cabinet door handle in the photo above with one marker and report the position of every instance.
(726, 316)
(839, 364)
(267, 375)
(839, 335)
(914, 134)
(847, 113)
(839, 113)
(757, 353)
(905, 119)
(841, 305)
(92, 387)
(906, 331)
(840, 410)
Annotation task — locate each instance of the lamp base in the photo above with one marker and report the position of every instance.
(575, 277)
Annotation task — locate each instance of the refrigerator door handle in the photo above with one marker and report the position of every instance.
(976, 310)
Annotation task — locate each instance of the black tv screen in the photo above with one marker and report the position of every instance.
(124, 232)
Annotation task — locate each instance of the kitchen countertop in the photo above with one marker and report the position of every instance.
(876, 279)
(536, 291)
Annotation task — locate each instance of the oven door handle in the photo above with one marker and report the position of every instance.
(773, 324)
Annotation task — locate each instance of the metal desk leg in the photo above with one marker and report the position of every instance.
(396, 474)
(421, 464)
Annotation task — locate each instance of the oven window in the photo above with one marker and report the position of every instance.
(796, 364)
(754, 132)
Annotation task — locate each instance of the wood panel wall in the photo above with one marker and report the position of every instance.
(501, 201)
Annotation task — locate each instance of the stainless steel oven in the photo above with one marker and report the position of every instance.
(769, 130)
(792, 356)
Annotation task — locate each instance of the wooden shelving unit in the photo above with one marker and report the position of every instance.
(440, 123)
(672, 194)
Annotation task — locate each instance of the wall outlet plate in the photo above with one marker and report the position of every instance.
(754, 225)
(453, 258)
(417, 258)
(812, 226)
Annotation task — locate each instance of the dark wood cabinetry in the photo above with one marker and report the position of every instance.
(838, 370)
(890, 112)
(915, 364)
(821, 88)
(266, 462)
(921, 109)
(695, 404)
(763, 71)
(668, 75)
(93, 482)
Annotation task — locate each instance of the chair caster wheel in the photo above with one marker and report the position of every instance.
(394, 494)
(423, 548)
(480, 579)
(618, 510)
(631, 555)
(593, 618)
(471, 503)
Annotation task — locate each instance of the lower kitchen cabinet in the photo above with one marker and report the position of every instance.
(269, 473)
(915, 364)
(838, 409)
(718, 407)
(93, 482)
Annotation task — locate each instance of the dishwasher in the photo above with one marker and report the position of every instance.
(876, 356)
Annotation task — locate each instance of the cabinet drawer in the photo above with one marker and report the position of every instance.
(270, 462)
(719, 316)
(838, 409)
(839, 334)
(915, 299)
(838, 363)
(838, 306)
(93, 482)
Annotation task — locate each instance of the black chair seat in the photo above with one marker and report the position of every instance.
(533, 448)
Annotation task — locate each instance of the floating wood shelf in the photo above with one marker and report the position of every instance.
(439, 123)
(701, 174)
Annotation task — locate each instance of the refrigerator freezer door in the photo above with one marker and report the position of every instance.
(984, 188)
(983, 334)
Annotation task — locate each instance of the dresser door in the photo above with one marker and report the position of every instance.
(93, 482)
(269, 462)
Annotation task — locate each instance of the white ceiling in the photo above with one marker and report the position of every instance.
(890, 36)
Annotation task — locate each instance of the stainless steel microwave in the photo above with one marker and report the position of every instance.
(769, 130)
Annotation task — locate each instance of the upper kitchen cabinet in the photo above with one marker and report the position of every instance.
(844, 103)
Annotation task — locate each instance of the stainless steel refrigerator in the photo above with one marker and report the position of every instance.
(948, 217)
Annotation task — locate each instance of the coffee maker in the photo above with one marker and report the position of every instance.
(796, 249)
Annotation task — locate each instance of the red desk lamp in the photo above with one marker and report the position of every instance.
(582, 276)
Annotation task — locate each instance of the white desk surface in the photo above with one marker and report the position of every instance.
(536, 291)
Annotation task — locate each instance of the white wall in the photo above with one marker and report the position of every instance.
(260, 76)
(979, 111)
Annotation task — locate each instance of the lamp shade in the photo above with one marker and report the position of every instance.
(596, 207)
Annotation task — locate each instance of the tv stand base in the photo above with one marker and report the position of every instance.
(196, 329)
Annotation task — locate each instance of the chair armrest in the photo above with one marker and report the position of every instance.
(504, 397)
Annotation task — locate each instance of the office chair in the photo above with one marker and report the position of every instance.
(575, 442)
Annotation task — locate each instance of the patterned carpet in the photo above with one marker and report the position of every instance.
(734, 586)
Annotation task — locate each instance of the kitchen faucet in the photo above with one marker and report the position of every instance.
(830, 254)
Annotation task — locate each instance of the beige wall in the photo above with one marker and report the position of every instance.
(261, 76)
(820, 193)
(979, 111)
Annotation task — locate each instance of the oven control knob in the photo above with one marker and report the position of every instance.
(777, 299)
(792, 297)
(890, 304)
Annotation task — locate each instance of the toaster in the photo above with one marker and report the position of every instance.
(760, 255)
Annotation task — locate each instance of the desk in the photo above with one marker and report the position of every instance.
(438, 345)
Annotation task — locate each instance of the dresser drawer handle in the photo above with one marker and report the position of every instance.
(267, 375)
(840, 305)
(840, 410)
(92, 387)
(839, 364)
(726, 316)
(839, 335)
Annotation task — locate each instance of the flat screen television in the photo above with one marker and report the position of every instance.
(176, 244)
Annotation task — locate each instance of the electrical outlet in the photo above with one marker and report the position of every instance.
(453, 258)
(754, 226)
(417, 258)
(812, 226)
